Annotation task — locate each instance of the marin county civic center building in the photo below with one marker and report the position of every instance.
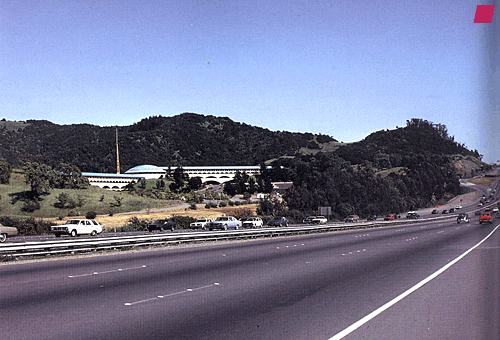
(208, 174)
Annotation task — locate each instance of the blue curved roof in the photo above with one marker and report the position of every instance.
(144, 169)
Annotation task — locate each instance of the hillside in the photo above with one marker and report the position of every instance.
(185, 139)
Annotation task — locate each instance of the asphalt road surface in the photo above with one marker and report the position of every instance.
(387, 283)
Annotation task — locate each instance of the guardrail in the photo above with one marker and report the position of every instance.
(116, 242)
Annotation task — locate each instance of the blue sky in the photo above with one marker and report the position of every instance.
(342, 68)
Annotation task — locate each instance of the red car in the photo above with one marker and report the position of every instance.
(485, 218)
(389, 218)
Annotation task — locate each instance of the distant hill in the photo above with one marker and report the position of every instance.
(396, 148)
(185, 139)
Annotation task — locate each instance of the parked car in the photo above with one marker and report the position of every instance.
(200, 223)
(253, 222)
(412, 215)
(74, 227)
(6, 231)
(486, 217)
(477, 212)
(389, 217)
(224, 223)
(463, 218)
(351, 218)
(162, 225)
(278, 221)
(434, 211)
(495, 209)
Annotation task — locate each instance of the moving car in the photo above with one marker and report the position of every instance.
(389, 217)
(412, 215)
(372, 218)
(253, 222)
(74, 227)
(162, 225)
(351, 218)
(224, 223)
(278, 221)
(463, 218)
(319, 220)
(486, 217)
(434, 211)
(6, 231)
(308, 219)
(200, 223)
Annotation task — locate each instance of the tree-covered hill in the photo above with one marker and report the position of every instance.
(404, 146)
(185, 139)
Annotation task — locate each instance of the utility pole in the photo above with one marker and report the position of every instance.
(117, 154)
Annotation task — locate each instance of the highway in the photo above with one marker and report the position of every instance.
(384, 283)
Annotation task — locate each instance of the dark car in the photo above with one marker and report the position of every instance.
(412, 215)
(444, 211)
(435, 211)
(463, 218)
(372, 218)
(162, 225)
(477, 212)
(278, 221)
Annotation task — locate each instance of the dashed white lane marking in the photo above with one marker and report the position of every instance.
(351, 253)
(106, 272)
(400, 297)
(189, 290)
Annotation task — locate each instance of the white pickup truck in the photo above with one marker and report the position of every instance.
(76, 227)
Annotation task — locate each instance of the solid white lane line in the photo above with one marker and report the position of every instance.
(189, 290)
(391, 303)
(106, 272)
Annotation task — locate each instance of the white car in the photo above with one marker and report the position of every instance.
(76, 227)
(200, 223)
(319, 220)
(6, 231)
(253, 222)
(458, 207)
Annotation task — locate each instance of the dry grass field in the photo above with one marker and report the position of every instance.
(119, 220)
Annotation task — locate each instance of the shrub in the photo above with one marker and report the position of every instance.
(239, 213)
(183, 222)
(91, 215)
(136, 224)
(208, 206)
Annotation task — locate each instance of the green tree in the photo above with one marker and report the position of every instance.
(39, 177)
(5, 171)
